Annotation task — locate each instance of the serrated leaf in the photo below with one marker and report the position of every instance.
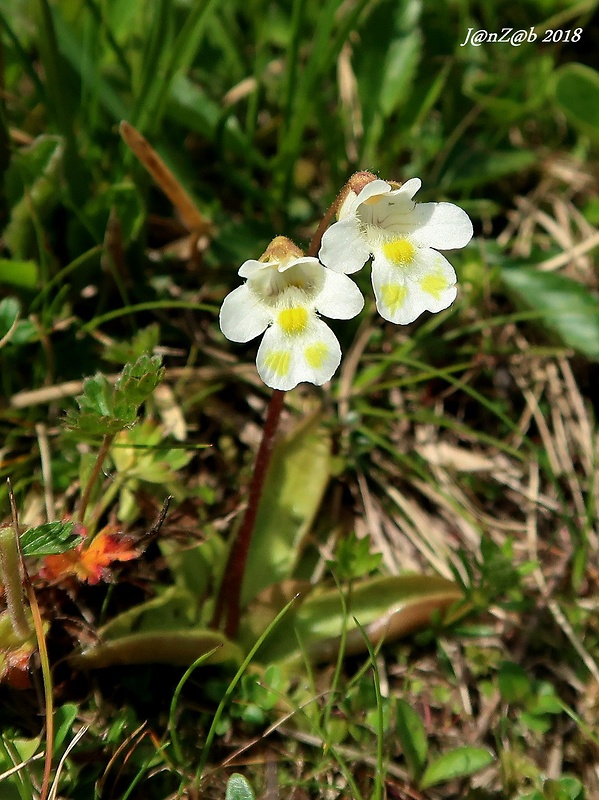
(458, 763)
(412, 737)
(52, 538)
(138, 380)
(576, 91)
(105, 409)
(238, 788)
(566, 307)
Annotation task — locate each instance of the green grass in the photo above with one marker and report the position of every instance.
(463, 446)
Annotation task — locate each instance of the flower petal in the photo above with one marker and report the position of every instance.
(443, 226)
(243, 316)
(339, 297)
(284, 361)
(251, 267)
(408, 188)
(344, 248)
(373, 189)
(301, 261)
(402, 294)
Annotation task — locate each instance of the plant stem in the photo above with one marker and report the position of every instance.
(316, 240)
(11, 578)
(38, 625)
(100, 459)
(229, 596)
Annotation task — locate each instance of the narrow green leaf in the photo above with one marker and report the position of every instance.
(293, 490)
(64, 717)
(567, 308)
(412, 737)
(49, 539)
(387, 607)
(22, 274)
(9, 314)
(457, 763)
(176, 647)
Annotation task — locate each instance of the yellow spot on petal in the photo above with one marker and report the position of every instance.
(434, 284)
(393, 296)
(278, 361)
(316, 354)
(399, 252)
(372, 201)
(293, 320)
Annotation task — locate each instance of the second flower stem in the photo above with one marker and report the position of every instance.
(229, 597)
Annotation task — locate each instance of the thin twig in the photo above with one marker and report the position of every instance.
(41, 430)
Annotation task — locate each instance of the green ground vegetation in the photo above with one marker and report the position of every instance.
(444, 483)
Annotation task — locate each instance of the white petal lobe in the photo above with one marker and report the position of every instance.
(344, 249)
(339, 297)
(243, 316)
(443, 226)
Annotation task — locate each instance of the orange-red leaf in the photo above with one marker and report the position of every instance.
(91, 563)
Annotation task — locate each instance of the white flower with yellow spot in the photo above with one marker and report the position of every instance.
(382, 220)
(283, 292)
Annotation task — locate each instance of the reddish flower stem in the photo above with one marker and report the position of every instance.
(229, 597)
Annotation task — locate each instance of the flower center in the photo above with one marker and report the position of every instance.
(293, 321)
(400, 252)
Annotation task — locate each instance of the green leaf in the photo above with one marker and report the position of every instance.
(457, 763)
(64, 717)
(353, 558)
(412, 737)
(143, 342)
(474, 166)
(163, 630)
(49, 539)
(22, 274)
(10, 308)
(387, 608)
(297, 478)
(106, 409)
(238, 788)
(566, 307)
(179, 648)
(514, 683)
(36, 168)
(576, 91)
(386, 64)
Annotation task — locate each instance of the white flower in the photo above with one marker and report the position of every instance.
(282, 296)
(409, 276)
